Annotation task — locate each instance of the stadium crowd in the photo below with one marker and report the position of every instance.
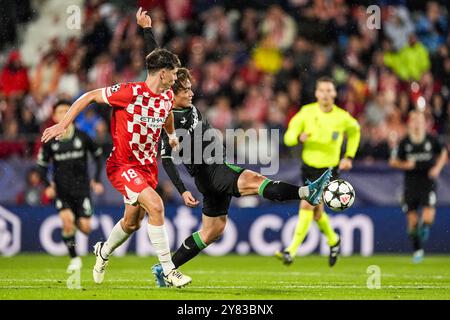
(254, 66)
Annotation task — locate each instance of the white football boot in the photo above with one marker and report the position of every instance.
(100, 264)
(177, 279)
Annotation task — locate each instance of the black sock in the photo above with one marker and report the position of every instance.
(70, 243)
(278, 191)
(415, 238)
(190, 247)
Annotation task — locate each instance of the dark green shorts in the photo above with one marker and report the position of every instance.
(218, 184)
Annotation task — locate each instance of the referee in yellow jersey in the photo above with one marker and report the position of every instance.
(320, 127)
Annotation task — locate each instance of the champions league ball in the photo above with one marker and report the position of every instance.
(339, 195)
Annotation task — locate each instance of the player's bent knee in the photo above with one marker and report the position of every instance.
(131, 227)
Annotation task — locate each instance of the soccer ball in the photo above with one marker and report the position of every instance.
(338, 195)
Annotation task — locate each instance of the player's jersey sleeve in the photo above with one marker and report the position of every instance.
(437, 146)
(44, 155)
(295, 128)
(118, 95)
(43, 161)
(168, 164)
(150, 41)
(353, 133)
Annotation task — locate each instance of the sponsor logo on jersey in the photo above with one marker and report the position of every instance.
(70, 155)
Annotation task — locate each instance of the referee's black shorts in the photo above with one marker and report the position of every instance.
(311, 173)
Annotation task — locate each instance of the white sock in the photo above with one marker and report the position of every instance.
(115, 239)
(303, 192)
(160, 240)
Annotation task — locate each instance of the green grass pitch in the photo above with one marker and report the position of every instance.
(33, 276)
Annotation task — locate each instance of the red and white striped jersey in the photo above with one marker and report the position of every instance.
(137, 120)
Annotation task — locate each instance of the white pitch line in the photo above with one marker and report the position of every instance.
(243, 287)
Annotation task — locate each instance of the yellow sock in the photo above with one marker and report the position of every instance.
(303, 223)
(326, 229)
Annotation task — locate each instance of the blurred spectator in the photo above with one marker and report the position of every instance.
(376, 147)
(103, 138)
(398, 26)
(432, 27)
(279, 27)
(10, 142)
(47, 74)
(410, 62)
(267, 56)
(33, 194)
(14, 76)
(220, 115)
(87, 122)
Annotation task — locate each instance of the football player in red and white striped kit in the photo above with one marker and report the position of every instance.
(140, 111)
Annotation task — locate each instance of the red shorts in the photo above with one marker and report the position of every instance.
(131, 180)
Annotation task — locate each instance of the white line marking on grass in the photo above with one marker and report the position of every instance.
(235, 287)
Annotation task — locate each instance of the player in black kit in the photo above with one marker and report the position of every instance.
(203, 154)
(422, 157)
(71, 183)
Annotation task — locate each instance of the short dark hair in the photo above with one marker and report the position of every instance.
(325, 79)
(183, 75)
(161, 59)
(61, 102)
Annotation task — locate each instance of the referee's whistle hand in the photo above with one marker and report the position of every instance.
(345, 164)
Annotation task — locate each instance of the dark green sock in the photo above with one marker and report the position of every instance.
(70, 243)
(278, 191)
(190, 247)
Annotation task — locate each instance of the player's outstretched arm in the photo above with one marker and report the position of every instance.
(57, 130)
(441, 161)
(145, 22)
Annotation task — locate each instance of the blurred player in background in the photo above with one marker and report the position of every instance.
(320, 127)
(422, 157)
(71, 186)
(140, 111)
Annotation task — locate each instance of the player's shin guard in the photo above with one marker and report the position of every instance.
(325, 227)
(115, 239)
(303, 223)
(278, 191)
(190, 247)
(69, 240)
(160, 241)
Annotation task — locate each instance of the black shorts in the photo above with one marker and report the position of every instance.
(311, 174)
(218, 184)
(81, 206)
(414, 197)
